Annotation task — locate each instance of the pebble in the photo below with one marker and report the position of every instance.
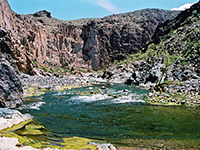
(52, 82)
(103, 87)
(103, 146)
(114, 96)
(151, 94)
(182, 102)
(90, 88)
(125, 90)
(166, 95)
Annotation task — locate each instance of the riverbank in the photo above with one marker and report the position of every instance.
(15, 129)
(184, 93)
(19, 132)
(91, 90)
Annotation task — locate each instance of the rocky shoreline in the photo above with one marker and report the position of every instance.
(9, 117)
(50, 82)
(56, 83)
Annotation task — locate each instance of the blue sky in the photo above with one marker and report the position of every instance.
(76, 9)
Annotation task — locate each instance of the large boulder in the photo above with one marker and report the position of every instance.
(149, 76)
(9, 117)
(11, 92)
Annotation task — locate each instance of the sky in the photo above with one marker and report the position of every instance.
(77, 9)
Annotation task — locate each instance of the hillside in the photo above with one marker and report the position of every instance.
(41, 41)
(169, 63)
(175, 49)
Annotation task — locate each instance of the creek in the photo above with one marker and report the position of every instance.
(116, 113)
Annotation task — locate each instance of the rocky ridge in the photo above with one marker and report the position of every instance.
(170, 62)
(40, 40)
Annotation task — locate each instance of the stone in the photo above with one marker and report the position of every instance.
(9, 117)
(103, 87)
(129, 81)
(114, 96)
(3, 32)
(106, 147)
(107, 75)
(182, 102)
(90, 88)
(187, 102)
(103, 146)
(150, 94)
(125, 90)
(136, 78)
(154, 74)
(166, 95)
(13, 144)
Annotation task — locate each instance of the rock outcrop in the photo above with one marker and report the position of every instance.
(172, 59)
(40, 40)
(11, 92)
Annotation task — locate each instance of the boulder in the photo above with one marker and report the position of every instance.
(103, 146)
(107, 75)
(155, 74)
(9, 117)
(13, 144)
(147, 76)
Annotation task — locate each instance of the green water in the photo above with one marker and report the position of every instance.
(95, 114)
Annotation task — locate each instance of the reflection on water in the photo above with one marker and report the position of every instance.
(115, 113)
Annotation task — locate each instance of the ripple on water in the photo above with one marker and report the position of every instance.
(113, 114)
(34, 106)
(130, 98)
(90, 98)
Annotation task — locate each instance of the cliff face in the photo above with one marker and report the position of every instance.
(11, 93)
(40, 40)
(6, 15)
(124, 34)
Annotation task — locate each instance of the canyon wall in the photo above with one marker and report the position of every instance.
(40, 40)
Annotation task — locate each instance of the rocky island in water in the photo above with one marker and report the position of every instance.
(125, 81)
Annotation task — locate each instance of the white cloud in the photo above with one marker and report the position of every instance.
(106, 4)
(183, 7)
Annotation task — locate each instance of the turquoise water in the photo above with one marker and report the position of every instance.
(112, 114)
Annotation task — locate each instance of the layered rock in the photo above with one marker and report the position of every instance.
(41, 40)
(11, 93)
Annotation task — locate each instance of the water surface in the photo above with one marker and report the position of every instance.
(114, 114)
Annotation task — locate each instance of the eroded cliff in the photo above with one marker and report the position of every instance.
(40, 40)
